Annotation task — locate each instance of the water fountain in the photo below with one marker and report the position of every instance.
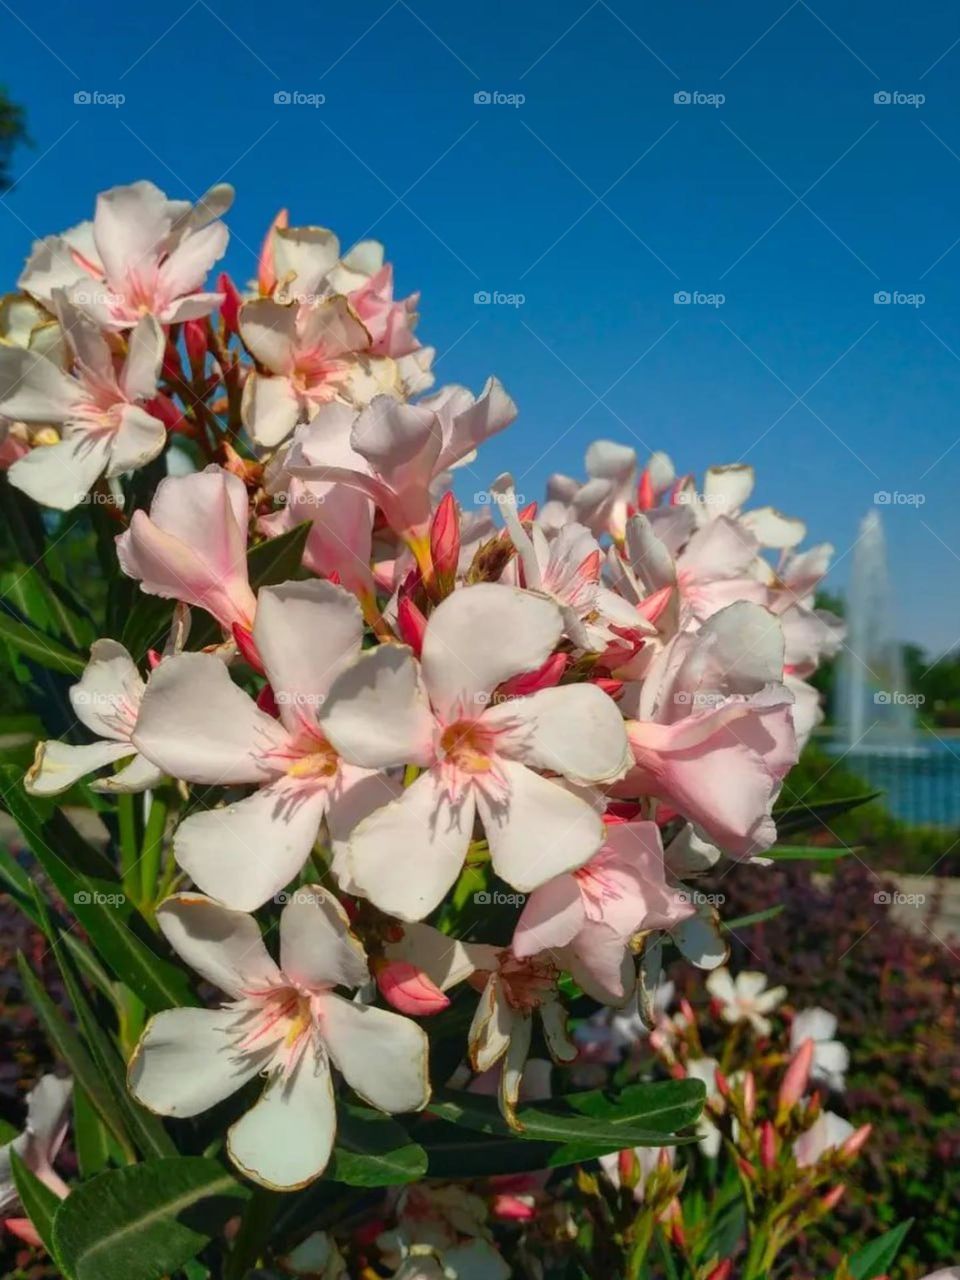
(876, 711)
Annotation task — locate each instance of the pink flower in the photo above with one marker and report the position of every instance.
(193, 545)
(402, 449)
(143, 254)
(48, 1115)
(105, 428)
(476, 756)
(197, 725)
(714, 736)
(307, 351)
(588, 916)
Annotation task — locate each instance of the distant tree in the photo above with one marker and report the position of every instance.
(13, 133)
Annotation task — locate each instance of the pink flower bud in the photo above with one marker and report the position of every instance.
(411, 624)
(267, 702)
(612, 688)
(722, 1083)
(646, 497)
(855, 1143)
(796, 1077)
(833, 1197)
(768, 1145)
(195, 340)
(513, 1208)
(408, 988)
(232, 301)
(544, 677)
(445, 537)
(722, 1270)
(653, 606)
(749, 1095)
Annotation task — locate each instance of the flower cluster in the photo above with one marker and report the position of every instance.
(579, 706)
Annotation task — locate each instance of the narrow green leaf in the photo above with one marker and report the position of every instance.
(67, 1044)
(39, 1202)
(41, 648)
(819, 813)
(89, 885)
(806, 853)
(373, 1150)
(876, 1258)
(145, 1221)
(90, 1137)
(277, 559)
(643, 1115)
(755, 917)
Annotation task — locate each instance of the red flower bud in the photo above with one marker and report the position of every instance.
(411, 624)
(195, 340)
(796, 1077)
(833, 1197)
(232, 301)
(545, 677)
(445, 538)
(768, 1145)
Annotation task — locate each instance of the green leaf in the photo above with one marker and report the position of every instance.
(89, 885)
(145, 1221)
(41, 648)
(373, 1150)
(806, 853)
(755, 917)
(67, 1044)
(876, 1258)
(812, 817)
(585, 1124)
(90, 1137)
(39, 1202)
(277, 559)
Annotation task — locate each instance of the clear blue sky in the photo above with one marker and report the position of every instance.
(598, 198)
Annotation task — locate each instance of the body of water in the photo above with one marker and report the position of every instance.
(920, 781)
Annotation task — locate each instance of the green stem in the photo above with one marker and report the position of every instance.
(253, 1234)
(152, 851)
(129, 845)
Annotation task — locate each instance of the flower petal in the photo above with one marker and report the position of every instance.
(185, 1061)
(317, 948)
(57, 765)
(376, 712)
(574, 730)
(539, 831)
(406, 856)
(196, 724)
(244, 853)
(108, 694)
(223, 946)
(284, 1141)
(382, 1055)
(461, 666)
(552, 916)
(61, 475)
(306, 633)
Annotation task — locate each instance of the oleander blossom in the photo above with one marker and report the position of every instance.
(282, 1022)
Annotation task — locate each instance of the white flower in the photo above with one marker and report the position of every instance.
(827, 1132)
(745, 998)
(831, 1058)
(48, 1109)
(283, 1022)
